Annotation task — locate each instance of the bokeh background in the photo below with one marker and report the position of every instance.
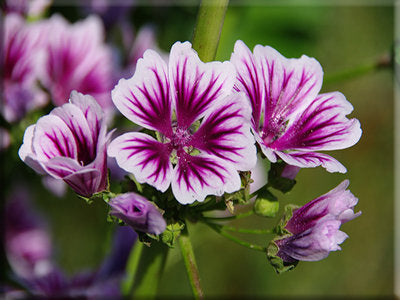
(341, 38)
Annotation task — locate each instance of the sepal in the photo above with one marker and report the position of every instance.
(287, 215)
(277, 263)
(276, 180)
(172, 233)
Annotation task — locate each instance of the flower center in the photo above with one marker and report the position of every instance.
(180, 138)
(275, 129)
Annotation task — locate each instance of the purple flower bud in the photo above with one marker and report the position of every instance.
(137, 212)
(290, 172)
(313, 229)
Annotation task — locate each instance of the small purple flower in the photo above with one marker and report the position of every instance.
(77, 59)
(203, 132)
(290, 120)
(70, 144)
(314, 228)
(137, 212)
(20, 63)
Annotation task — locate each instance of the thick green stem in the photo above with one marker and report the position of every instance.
(208, 28)
(190, 264)
(145, 268)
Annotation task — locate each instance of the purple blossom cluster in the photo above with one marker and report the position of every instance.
(200, 125)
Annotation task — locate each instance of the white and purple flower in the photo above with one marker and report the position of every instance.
(138, 212)
(76, 58)
(20, 65)
(290, 120)
(70, 144)
(203, 132)
(314, 227)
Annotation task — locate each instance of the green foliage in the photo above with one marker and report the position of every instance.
(172, 233)
(278, 182)
(277, 263)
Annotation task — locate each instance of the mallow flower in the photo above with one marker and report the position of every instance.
(70, 144)
(20, 67)
(202, 131)
(77, 58)
(312, 231)
(290, 119)
(137, 212)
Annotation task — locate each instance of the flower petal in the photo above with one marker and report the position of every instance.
(26, 153)
(249, 79)
(53, 138)
(196, 85)
(312, 160)
(225, 133)
(322, 126)
(83, 180)
(290, 85)
(195, 177)
(74, 118)
(143, 156)
(145, 98)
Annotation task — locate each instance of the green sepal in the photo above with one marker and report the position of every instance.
(266, 204)
(276, 181)
(277, 263)
(147, 238)
(279, 229)
(172, 233)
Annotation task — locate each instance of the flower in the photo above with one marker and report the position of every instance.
(21, 48)
(70, 144)
(27, 240)
(137, 212)
(290, 120)
(314, 228)
(76, 58)
(174, 100)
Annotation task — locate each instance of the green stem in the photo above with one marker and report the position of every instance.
(190, 264)
(131, 268)
(219, 229)
(208, 28)
(247, 230)
(239, 216)
(145, 268)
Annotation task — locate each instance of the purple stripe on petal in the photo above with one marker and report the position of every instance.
(196, 85)
(311, 160)
(225, 133)
(144, 157)
(290, 85)
(322, 126)
(249, 79)
(195, 177)
(145, 98)
(76, 122)
(53, 138)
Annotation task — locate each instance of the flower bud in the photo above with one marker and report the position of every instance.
(137, 212)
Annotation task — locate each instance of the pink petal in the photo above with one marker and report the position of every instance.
(225, 133)
(249, 79)
(53, 138)
(196, 85)
(290, 86)
(147, 159)
(145, 98)
(26, 152)
(195, 177)
(312, 160)
(322, 126)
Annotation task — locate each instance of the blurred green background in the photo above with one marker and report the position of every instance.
(340, 38)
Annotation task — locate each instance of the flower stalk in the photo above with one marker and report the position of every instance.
(208, 28)
(190, 264)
